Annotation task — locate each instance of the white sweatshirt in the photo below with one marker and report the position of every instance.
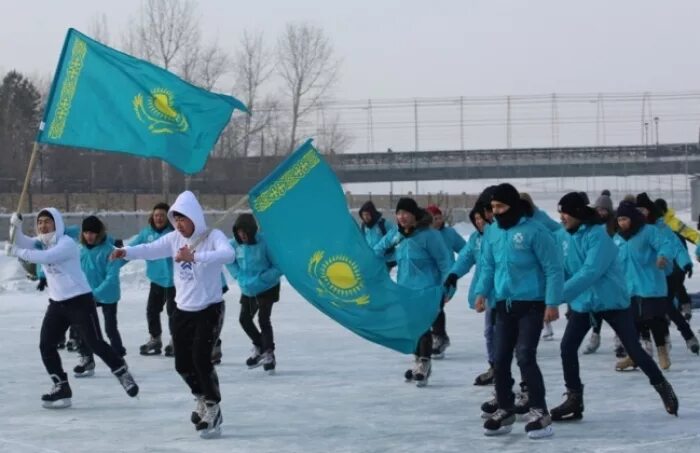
(60, 259)
(197, 284)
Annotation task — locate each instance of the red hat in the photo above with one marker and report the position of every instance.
(433, 209)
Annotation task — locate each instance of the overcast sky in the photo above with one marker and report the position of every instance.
(404, 48)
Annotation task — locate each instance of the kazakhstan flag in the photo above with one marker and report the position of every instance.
(107, 100)
(327, 259)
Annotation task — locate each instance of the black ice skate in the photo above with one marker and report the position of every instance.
(422, 372)
(522, 401)
(210, 425)
(488, 408)
(59, 396)
(571, 409)
(501, 422)
(152, 347)
(85, 368)
(169, 350)
(127, 381)
(539, 424)
(255, 359)
(72, 345)
(668, 397)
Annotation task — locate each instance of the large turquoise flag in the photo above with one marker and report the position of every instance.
(107, 100)
(327, 260)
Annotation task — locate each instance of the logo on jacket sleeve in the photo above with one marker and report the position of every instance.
(339, 277)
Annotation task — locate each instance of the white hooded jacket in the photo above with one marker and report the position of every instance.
(60, 259)
(197, 284)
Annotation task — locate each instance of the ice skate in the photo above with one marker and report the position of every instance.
(422, 372)
(571, 409)
(687, 311)
(693, 345)
(199, 410)
(625, 364)
(522, 401)
(85, 368)
(127, 381)
(209, 426)
(593, 344)
(268, 362)
(501, 422)
(152, 347)
(440, 344)
(668, 397)
(539, 424)
(169, 350)
(485, 378)
(488, 408)
(255, 359)
(664, 359)
(59, 397)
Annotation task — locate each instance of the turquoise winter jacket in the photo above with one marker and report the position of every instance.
(253, 267)
(521, 263)
(102, 274)
(469, 256)
(680, 256)
(546, 221)
(422, 257)
(638, 256)
(595, 280)
(374, 234)
(159, 271)
(453, 240)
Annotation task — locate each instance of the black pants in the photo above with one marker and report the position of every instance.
(518, 328)
(109, 312)
(677, 286)
(622, 322)
(262, 305)
(158, 297)
(194, 336)
(81, 313)
(439, 328)
(650, 316)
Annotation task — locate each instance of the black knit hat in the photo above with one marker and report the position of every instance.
(92, 224)
(643, 201)
(629, 210)
(408, 205)
(575, 205)
(661, 205)
(507, 194)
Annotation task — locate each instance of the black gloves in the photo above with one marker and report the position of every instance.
(688, 269)
(42, 284)
(119, 243)
(451, 281)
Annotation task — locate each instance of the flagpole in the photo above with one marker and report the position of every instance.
(25, 187)
(219, 222)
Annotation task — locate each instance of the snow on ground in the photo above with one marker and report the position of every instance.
(333, 391)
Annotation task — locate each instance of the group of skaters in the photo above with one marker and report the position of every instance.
(184, 262)
(624, 266)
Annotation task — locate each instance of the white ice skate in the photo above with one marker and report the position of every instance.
(210, 425)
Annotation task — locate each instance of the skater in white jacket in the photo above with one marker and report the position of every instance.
(199, 254)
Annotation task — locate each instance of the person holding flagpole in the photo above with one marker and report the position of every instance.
(71, 303)
(423, 260)
(199, 254)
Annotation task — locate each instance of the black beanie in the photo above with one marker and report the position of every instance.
(661, 205)
(629, 210)
(575, 205)
(643, 201)
(408, 205)
(92, 224)
(605, 192)
(506, 194)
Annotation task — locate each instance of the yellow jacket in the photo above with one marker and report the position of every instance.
(681, 228)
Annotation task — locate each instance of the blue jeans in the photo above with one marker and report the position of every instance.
(622, 322)
(518, 328)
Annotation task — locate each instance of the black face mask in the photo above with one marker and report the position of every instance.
(510, 218)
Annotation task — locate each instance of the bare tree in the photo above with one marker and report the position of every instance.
(253, 67)
(332, 139)
(98, 28)
(308, 68)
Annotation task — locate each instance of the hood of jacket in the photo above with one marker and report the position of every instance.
(187, 205)
(57, 220)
